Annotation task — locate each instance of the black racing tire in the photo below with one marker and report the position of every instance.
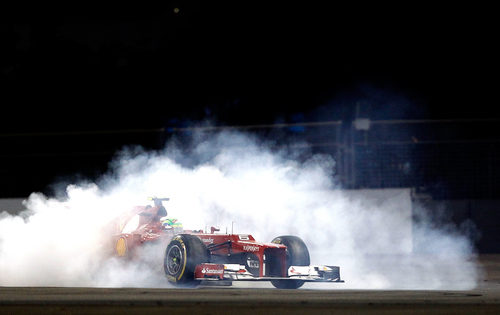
(183, 254)
(297, 254)
(125, 246)
(122, 247)
(252, 264)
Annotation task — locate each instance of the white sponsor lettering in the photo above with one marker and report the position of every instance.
(250, 248)
(207, 240)
(216, 271)
(253, 263)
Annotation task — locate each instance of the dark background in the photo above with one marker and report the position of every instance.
(79, 82)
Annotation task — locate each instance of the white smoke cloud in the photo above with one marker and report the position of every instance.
(231, 179)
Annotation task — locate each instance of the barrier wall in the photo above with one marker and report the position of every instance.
(479, 219)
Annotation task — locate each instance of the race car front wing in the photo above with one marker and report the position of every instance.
(237, 272)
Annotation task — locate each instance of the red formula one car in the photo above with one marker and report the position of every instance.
(192, 256)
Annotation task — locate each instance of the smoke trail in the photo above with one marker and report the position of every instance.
(225, 179)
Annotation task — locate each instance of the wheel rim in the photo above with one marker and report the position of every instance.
(174, 260)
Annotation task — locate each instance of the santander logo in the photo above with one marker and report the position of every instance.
(216, 271)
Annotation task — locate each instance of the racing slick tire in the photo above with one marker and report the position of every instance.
(297, 254)
(125, 246)
(183, 254)
(122, 247)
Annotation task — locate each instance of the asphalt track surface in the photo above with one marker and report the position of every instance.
(485, 299)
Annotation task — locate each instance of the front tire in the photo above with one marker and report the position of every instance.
(297, 254)
(183, 254)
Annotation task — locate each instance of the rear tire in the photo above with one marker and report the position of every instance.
(183, 254)
(297, 254)
(121, 247)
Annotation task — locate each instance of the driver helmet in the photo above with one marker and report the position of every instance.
(169, 223)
